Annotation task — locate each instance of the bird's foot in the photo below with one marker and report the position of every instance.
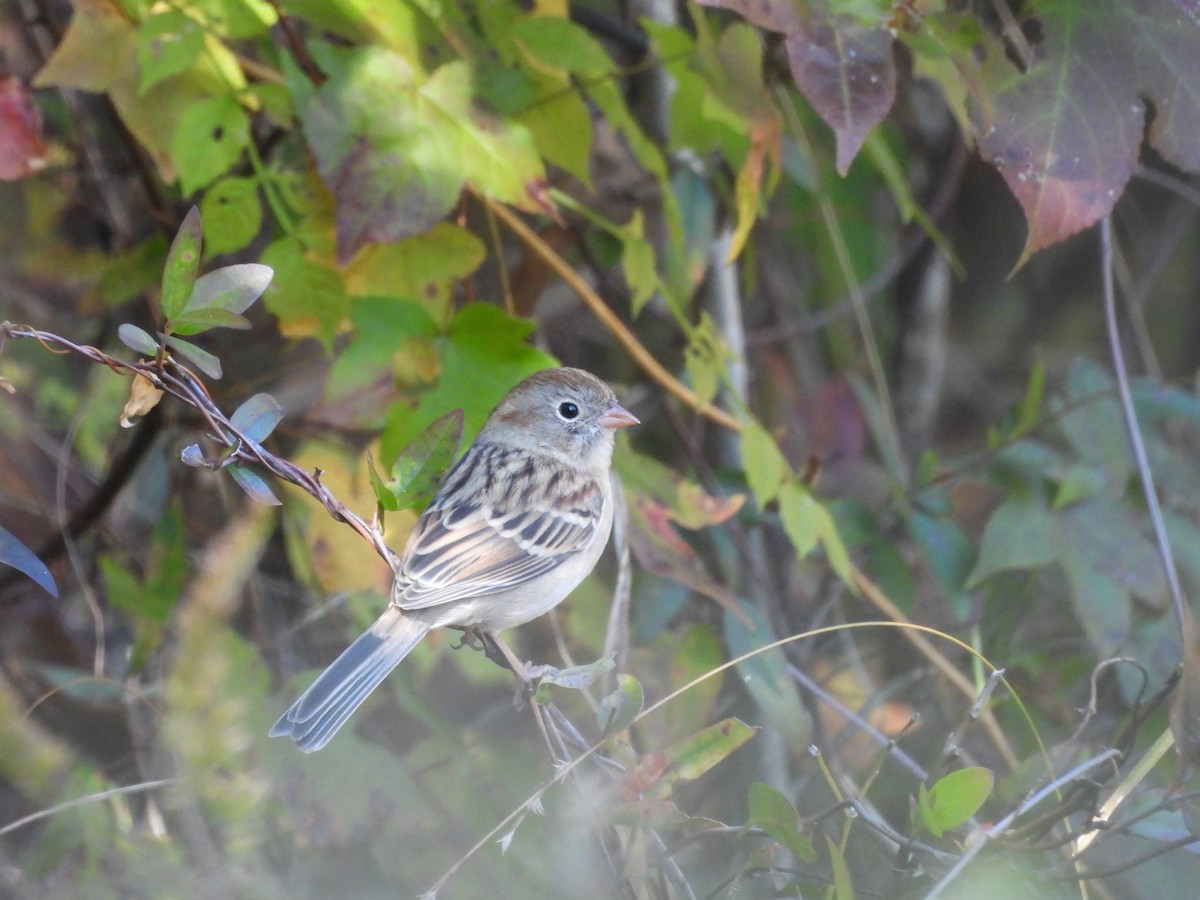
(471, 638)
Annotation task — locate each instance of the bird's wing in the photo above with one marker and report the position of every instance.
(483, 535)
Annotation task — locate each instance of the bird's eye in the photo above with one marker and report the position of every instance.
(568, 410)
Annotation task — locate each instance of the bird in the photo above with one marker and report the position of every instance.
(516, 524)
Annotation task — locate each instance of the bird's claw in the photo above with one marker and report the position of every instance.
(471, 638)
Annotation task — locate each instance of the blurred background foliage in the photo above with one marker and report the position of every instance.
(837, 255)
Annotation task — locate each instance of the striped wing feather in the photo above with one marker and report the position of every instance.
(482, 535)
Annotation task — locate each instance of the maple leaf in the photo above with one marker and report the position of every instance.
(1065, 133)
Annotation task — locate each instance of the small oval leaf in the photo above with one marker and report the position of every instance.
(231, 288)
(253, 484)
(21, 558)
(954, 798)
(183, 263)
(618, 710)
(199, 320)
(191, 456)
(137, 340)
(201, 359)
(257, 417)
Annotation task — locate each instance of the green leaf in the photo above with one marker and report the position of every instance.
(559, 44)
(807, 521)
(561, 125)
(775, 814)
(698, 653)
(638, 264)
(1019, 535)
(576, 678)
(692, 757)
(1029, 411)
(137, 340)
(497, 156)
(423, 269)
(208, 140)
(383, 327)
(254, 485)
(307, 297)
(948, 552)
(396, 148)
(166, 566)
(954, 798)
(257, 417)
(1092, 422)
(764, 465)
(203, 319)
(201, 359)
(14, 553)
(798, 511)
(618, 709)
(232, 214)
(183, 265)
(843, 885)
(418, 470)
(1079, 483)
(150, 600)
(483, 353)
(705, 357)
(167, 44)
(230, 288)
(237, 19)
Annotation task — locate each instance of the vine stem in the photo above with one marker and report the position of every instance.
(1141, 460)
(175, 379)
(643, 357)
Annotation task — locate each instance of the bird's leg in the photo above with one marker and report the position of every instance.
(528, 676)
(499, 653)
(527, 683)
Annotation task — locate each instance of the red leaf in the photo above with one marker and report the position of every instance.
(1065, 134)
(659, 549)
(21, 150)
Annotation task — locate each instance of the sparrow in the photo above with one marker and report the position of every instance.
(517, 523)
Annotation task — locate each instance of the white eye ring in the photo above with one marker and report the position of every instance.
(568, 410)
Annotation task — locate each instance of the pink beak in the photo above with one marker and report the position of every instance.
(617, 416)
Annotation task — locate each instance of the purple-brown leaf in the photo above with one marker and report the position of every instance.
(1065, 134)
(847, 72)
(842, 65)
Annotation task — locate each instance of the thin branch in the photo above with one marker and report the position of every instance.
(960, 681)
(180, 383)
(1003, 824)
(84, 801)
(1125, 395)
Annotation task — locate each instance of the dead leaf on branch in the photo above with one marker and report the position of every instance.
(143, 397)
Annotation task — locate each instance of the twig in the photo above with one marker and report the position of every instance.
(179, 382)
(1141, 461)
(1002, 825)
(83, 801)
(943, 665)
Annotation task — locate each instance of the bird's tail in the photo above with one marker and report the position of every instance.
(321, 710)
